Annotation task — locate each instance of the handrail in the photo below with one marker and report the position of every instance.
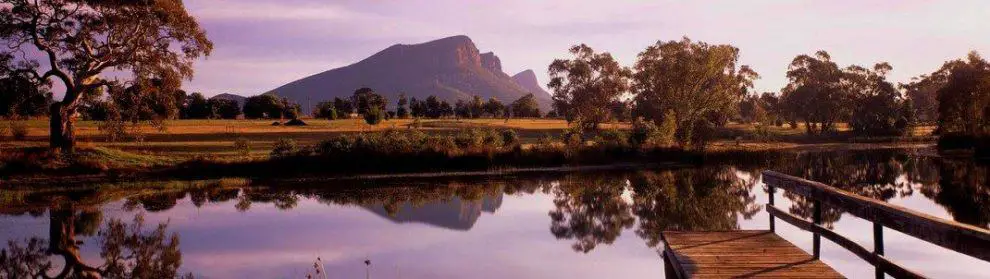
(962, 238)
(959, 237)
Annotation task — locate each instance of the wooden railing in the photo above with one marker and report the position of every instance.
(962, 238)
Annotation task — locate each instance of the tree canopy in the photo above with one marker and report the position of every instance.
(80, 40)
(585, 85)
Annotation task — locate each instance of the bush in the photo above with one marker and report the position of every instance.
(645, 133)
(374, 116)
(283, 148)
(469, 139)
(510, 137)
(612, 138)
(113, 130)
(242, 146)
(18, 130)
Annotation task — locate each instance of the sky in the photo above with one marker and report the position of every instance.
(263, 44)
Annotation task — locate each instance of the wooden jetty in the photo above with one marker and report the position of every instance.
(735, 254)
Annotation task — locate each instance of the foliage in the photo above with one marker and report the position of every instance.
(816, 93)
(325, 110)
(221, 108)
(344, 107)
(82, 39)
(402, 107)
(367, 100)
(374, 116)
(20, 95)
(525, 106)
(265, 106)
(284, 147)
(242, 146)
(644, 133)
(700, 83)
(878, 109)
(18, 130)
(964, 99)
(196, 107)
(586, 84)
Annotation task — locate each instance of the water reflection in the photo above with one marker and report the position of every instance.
(582, 211)
(127, 249)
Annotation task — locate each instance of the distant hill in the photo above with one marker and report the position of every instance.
(451, 68)
(527, 79)
(237, 98)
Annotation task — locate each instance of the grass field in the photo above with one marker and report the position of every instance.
(184, 139)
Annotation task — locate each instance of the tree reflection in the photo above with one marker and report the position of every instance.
(128, 250)
(709, 198)
(590, 210)
(963, 190)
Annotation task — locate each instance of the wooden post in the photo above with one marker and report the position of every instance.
(770, 203)
(878, 246)
(817, 218)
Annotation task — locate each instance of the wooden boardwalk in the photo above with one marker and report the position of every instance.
(738, 254)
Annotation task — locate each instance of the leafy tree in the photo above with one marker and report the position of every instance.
(816, 93)
(153, 99)
(621, 110)
(964, 99)
(462, 109)
(525, 106)
(583, 86)
(374, 115)
(923, 93)
(878, 109)
(82, 39)
(290, 110)
(221, 108)
(477, 106)
(402, 107)
(325, 110)
(365, 99)
(445, 110)
(344, 107)
(196, 107)
(701, 83)
(433, 108)
(263, 106)
(20, 95)
(417, 108)
(771, 105)
(494, 107)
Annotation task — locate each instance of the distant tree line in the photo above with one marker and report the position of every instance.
(698, 87)
(368, 104)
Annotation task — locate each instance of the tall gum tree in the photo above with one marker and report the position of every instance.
(584, 87)
(81, 40)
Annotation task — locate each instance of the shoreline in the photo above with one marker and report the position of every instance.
(201, 170)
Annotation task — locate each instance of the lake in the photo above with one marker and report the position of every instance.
(592, 224)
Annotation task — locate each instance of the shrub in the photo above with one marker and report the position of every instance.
(612, 138)
(667, 132)
(283, 148)
(18, 130)
(374, 116)
(644, 133)
(416, 123)
(242, 146)
(574, 136)
(113, 129)
(469, 139)
(510, 137)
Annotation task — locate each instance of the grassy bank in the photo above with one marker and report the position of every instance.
(217, 148)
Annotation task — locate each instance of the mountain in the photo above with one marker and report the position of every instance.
(455, 214)
(237, 98)
(527, 80)
(451, 68)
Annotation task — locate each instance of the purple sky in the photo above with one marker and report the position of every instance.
(262, 44)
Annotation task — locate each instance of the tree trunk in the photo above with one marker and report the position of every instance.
(62, 135)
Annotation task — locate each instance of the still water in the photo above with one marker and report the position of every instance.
(573, 225)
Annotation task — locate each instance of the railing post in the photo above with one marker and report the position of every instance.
(878, 246)
(773, 228)
(817, 218)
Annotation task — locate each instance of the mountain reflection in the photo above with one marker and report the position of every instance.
(588, 209)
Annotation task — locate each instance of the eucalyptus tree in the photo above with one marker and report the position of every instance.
(79, 41)
(700, 83)
(815, 93)
(585, 86)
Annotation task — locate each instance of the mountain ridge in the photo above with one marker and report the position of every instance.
(451, 68)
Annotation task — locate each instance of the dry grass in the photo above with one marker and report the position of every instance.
(185, 139)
